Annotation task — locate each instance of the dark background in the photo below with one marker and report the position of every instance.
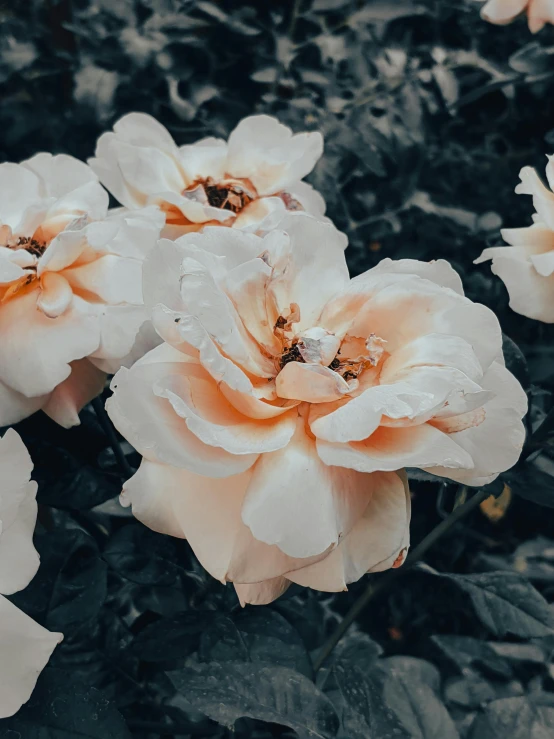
(428, 114)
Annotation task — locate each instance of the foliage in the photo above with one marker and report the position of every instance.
(428, 114)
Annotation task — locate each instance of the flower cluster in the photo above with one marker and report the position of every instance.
(276, 402)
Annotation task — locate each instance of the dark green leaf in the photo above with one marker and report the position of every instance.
(62, 707)
(514, 718)
(229, 691)
(506, 603)
(465, 652)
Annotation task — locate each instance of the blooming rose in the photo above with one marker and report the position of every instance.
(235, 183)
(25, 647)
(502, 12)
(275, 416)
(70, 286)
(527, 266)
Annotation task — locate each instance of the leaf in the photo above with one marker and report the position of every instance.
(369, 714)
(465, 652)
(515, 360)
(506, 603)
(532, 483)
(232, 690)
(514, 718)
(62, 707)
(172, 638)
(411, 688)
(71, 584)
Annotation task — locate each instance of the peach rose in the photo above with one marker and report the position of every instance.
(70, 286)
(527, 266)
(234, 183)
(25, 647)
(286, 397)
(502, 12)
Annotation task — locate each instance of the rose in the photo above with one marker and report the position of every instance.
(70, 286)
(501, 12)
(25, 647)
(527, 266)
(235, 183)
(275, 416)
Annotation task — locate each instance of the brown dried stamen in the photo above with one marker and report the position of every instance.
(228, 194)
(291, 354)
(34, 247)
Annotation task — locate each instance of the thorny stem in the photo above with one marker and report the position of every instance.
(106, 424)
(375, 588)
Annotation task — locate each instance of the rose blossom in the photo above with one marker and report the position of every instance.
(235, 183)
(275, 416)
(25, 647)
(527, 266)
(70, 286)
(502, 12)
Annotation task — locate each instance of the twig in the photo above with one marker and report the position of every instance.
(373, 589)
(106, 424)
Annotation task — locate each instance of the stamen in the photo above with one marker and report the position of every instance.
(230, 195)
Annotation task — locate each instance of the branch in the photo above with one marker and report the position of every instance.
(373, 589)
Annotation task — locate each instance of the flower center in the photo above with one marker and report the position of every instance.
(33, 246)
(233, 195)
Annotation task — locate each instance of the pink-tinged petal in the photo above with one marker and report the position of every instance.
(373, 544)
(268, 154)
(10, 270)
(311, 383)
(531, 294)
(127, 233)
(494, 444)
(299, 503)
(503, 12)
(543, 198)
(186, 210)
(55, 295)
(535, 239)
(151, 425)
(126, 336)
(83, 384)
(37, 350)
(18, 512)
(543, 263)
(217, 314)
(14, 406)
(310, 282)
(435, 350)
(246, 285)
(259, 213)
(309, 198)
(59, 173)
(89, 199)
(406, 310)
(539, 13)
(105, 166)
(111, 278)
(391, 448)
(149, 170)
(207, 512)
(64, 250)
(203, 159)
(19, 189)
(196, 398)
(187, 335)
(25, 648)
(161, 271)
(234, 247)
(438, 271)
(261, 593)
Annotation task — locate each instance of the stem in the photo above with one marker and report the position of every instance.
(109, 430)
(383, 582)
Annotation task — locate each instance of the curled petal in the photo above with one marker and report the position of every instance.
(261, 593)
